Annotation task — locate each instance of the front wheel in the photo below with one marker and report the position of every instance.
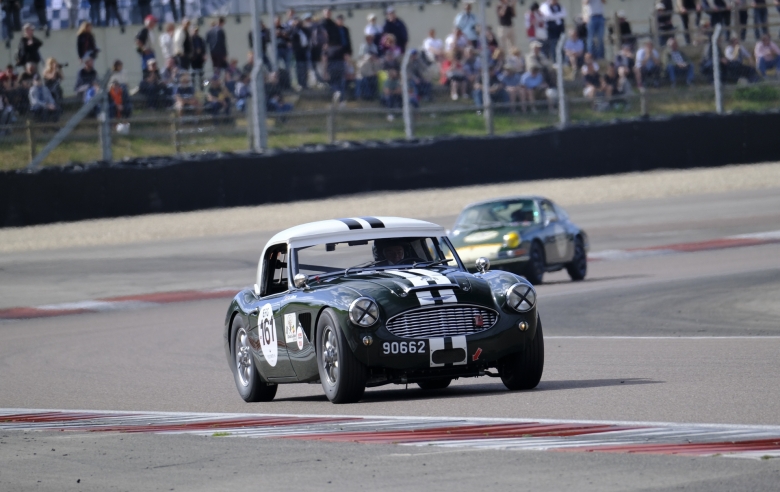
(434, 384)
(250, 385)
(578, 267)
(343, 377)
(523, 370)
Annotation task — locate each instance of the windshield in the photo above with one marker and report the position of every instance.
(377, 254)
(522, 212)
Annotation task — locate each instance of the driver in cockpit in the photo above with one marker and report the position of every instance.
(390, 252)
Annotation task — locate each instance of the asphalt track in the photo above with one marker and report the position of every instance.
(683, 338)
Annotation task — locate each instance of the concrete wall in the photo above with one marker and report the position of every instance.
(62, 44)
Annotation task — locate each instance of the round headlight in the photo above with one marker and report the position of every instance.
(512, 240)
(363, 311)
(521, 297)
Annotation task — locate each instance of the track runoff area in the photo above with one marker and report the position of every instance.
(666, 353)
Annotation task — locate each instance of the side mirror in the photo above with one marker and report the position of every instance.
(300, 281)
(483, 264)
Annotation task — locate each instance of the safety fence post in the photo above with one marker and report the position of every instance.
(562, 113)
(105, 128)
(716, 70)
(331, 120)
(31, 140)
(407, 105)
(487, 104)
(175, 133)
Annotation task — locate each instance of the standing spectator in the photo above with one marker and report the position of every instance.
(40, 10)
(300, 38)
(663, 14)
(166, 42)
(533, 86)
(433, 47)
(52, 78)
(112, 12)
(283, 48)
(720, 13)
(217, 98)
(467, 22)
(593, 14)
(741, 7)
(42, 104)
(767, 56)
(574, 49)
(396, 27)
(144, 42)
(119, 105)
(686, 7)
(182, 45)
(217, 44)
(85, 41)
(339, 48)
(506, 30)
(647, 64)
(555, 15)
(28, 48)
(368, 65)
(87, 76)
(198, 55)
(12, 19)
(94, 12)
(373, 29)
(624, 32)
(535, 25)
(144, 8)
(676, 64)
(760, 18)
(455, 41)
(740, 62)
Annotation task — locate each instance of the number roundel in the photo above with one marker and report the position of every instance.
(266, 332)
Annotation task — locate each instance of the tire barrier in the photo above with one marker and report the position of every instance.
(185, 183)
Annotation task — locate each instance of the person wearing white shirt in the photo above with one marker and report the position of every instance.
(372, 29)
(593, 14)
(467, 23)
(456, 40)
(433, 47)
(555, 15)
(166, 42)
(648, 63)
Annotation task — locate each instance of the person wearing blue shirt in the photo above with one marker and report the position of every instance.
(533, 83)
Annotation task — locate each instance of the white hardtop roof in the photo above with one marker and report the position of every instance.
(355, 229)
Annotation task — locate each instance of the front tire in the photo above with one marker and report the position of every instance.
(578, 267)
(523, 370)
(434, 384)
(534, 270)
(343, 377)
(250, 385)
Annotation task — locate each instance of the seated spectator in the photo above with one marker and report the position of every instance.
(472, 67)
(740, 62)
(511, 80)
(368, 67)
(156, 93)
(767, 56)
(233, 68)
(433, 47)
(217, 98)
(538, 58)
(242, 92)
(170, 73)
(391, 53)
(118, 72)
(53, 77)
(625, 58)
(591, 77)
(392, 92)
(119, 105)
(277, 104)
(574, 49)
(676, 64)
(515, 62)
(184, 98)
(533, 86)
(415, 71)
(42, 103)
(496, 91)
(230, 81)
(7, 116)
(25, 78)
(90, 93)
(648, 65)
(86, 76)
(455, 41)
(453, 74)
(8, 74)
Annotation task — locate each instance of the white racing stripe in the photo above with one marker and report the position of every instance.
(425, 297)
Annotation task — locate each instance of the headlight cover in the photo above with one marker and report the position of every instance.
(363, 311)
(512, 240)
(521, 297)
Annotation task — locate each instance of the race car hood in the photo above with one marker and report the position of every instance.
(485, 241)
(399, 290)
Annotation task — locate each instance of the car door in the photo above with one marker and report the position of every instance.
(554, 234)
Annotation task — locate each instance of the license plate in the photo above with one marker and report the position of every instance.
(404, 348)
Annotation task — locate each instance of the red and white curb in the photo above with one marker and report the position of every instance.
(122, 303)
(738, 241)
(739, 441)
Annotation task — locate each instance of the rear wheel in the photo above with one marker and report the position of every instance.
(434, 384)
(343, 377)
(534, 270)
(250, 385)
(578, 267)
(523, 370)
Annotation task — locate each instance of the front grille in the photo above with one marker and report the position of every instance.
(441, 321)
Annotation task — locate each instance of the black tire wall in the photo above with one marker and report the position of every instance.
(159, 185)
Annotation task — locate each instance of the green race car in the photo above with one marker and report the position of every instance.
(368, 301)
(525, 235)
